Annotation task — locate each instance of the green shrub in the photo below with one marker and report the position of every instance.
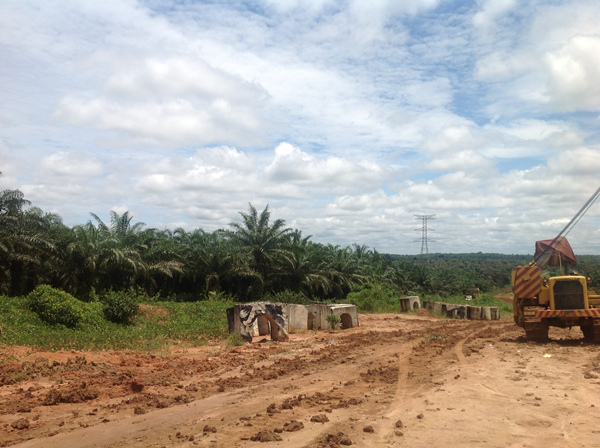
(334, 320)
(120, 306)
(234, 340)
(142, 295)
(375, 298)
(55, 306)
(287, 296)
(93, 315)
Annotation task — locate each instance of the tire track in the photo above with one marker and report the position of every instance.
(385, 437)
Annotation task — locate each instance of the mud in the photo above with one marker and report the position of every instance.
(397, 380)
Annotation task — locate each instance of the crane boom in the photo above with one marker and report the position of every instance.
(582, 211)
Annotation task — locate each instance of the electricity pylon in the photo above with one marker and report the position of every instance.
(424, 239)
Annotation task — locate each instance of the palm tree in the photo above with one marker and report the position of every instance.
(12, 202)
(161, 259)
(306, 271)
(361, 251)
(345, 270)
(81, 260)
(262, 241)
(208, 260)
(399, 276)
(23, 243)
(120, 247)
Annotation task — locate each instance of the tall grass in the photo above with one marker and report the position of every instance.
(375, 298)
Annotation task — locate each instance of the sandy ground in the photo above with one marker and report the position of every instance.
(397, 380)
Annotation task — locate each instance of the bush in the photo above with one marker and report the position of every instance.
(120, 306)
(235, 340)
(334, 320)
(287, 296)
(375, 298)
(55, 306)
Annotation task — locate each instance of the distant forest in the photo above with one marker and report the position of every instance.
(254, 259)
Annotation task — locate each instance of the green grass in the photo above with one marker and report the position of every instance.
(431, 336)
(157, 326)
(375, 298)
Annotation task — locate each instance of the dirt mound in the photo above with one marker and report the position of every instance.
(319, 418)
(334, 440)
(293, 426)
(266, 436)
(71, 394)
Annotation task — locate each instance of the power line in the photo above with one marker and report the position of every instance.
(424, 229)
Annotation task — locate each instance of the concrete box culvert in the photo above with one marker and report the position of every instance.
(494, 313)
(410, 303)
(486, 313)
(474, 312)
(456, 311)
(463, 311)
(491, 313)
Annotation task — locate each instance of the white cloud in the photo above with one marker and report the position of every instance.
(175, 102)
(8, 165)
(581, 163)
(548, 63)
(312, 6)
(181, 78)
(71, 165)
(225, 175)
(502, 66)
(538, 130)
(368, 19)
(331, 174)
(460, 162)
(450, 139)
(529, 138)
(491, 10)
(220, 169)
(574, 74)
(361, 22)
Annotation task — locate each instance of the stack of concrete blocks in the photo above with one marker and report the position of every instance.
(463, 311)
(280, 319)
(410, 303)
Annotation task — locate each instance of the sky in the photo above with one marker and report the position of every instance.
(349, 119)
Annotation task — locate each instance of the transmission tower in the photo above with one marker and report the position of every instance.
(424, 239)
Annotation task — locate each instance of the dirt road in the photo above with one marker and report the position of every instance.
(398, 380)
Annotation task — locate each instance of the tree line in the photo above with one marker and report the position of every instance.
(252, 259)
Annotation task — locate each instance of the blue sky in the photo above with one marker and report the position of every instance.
(346, 117)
